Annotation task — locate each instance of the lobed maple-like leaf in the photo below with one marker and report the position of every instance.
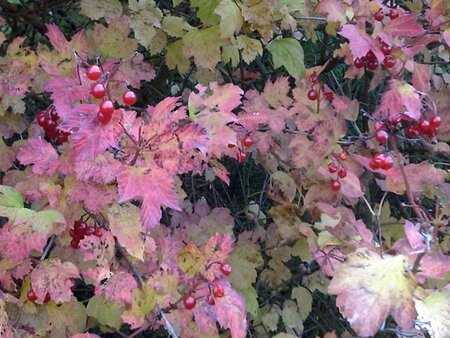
(41, 154)
(120, 287)
(370, 288)
(404, 26)
(359, 42)
(153, 187)
(55, 278)
(433, 312)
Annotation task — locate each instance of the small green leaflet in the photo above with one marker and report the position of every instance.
(288, 53)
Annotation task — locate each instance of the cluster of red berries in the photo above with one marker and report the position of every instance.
(313, 94)
(340, 171)
(370, 61)
(379, 15)
(241, 155)
(31, 296)
(98, 91)
(48, 120)
(381, 161)
(80, 230)
(424, 127)
(189, 301)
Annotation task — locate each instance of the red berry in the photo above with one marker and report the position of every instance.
(50, 125)
(386, 49)
(226, 269)
(379, 16)
(342, 172)
(62, 136)
(98, 232)
(389, 62)
(107, 107)
(335, 185)
(387, 163)
(343, 155)
(370, 56)
(218, 291)
(129, 98)
(31, 296)
(89, 231)
(93, 72)
(103, 118)
(241, 156)
(54, 115)
(395, 119)
(79, 226)
(42, 118)
(75, 243)
(332, 167)
(381, 136)
(98, 91)
(380, 125)
(393, 14)
(76, 234)
(210, 299)
(435, 121)
(328, 95)
(377, 161)
(47, 298)
(52, 134)
(189, 302)
(372, 65)
(247, 142)
(359, 62)
(424, 126)
(312, 94)
(412, 131)
(313, 77)
(230, 145)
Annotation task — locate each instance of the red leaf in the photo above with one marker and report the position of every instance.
(404, 26)
(359, 42)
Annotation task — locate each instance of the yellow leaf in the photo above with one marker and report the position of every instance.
(191, 260)
(231, 18)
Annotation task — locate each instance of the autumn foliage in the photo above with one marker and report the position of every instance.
(213, 168)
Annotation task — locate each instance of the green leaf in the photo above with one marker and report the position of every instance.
(10, 197)
(67, 316)
(106, 312)
(304, 301)
(204, 45)
(231, 18)
(175, 57)
(144, 301)
(289, 54)
(206, 10)
(251, 300)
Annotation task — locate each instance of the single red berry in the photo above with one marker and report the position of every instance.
(424, 126)
(389, 62)
(386, 49)
(79, 226)
(47, 298)
(218, 291)
(76, 234)
(393, 14)
(129, 98)
(328, 95)
(381, 136)
(370, 56)
(226, 269)
(230, 145)
(332, 167)
(436, 121)
(103, 118)
(89, 231)
(335, 185)
(54, 115)
(98, 91)
(372, 65)
(377, 161)
(379, 16)
(313, 77)
(50, 125)
(343, 155)
(241, 156)
(210, 299)
(388, 163)
(312, 94)
(189, 302)
(93, 72)
(75, 243)
(412, 131)
(359, 62)
(107, 107)
(247, 142)
(380, 125)
(98, 232)
(342, 172)
(42, 118)
(62, 136)
(31, 296)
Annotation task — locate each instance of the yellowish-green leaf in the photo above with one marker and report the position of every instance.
(97, 9)
(271, 318)
(301, 249)
(145, 17)
(10, 198)
(291, 317)
(250, 47)
(244, 259)
(205, 11)
(107, 312)
(251, 300)
(126, 225)
(304, 301)
(230, 18)
(175, 26)
(175, 57)
(144, 301)
(288, 53)
(230, 53)
(434, 310)
(67, 317)
(195, 43)
(191, 260)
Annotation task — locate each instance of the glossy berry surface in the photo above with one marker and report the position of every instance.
(379, 16)
(359, 63)
(210, 299)
(42, 119)
(98, 232)
(31, 296)
(342, 172)
(54, 115)
(247, 142)
(381, 136)
(189, 302)
(218, 291)
(75, 243)
(93, 72)
(393, 14)
(328, 95)
(412, 131)
(98, 91)
(380, 125)
(343, 155)
(389, 62)
(129, 98)
(103, 118)
(312, 94)
(386, 49)
(335, 185)
(313, 77)
(332, 167)
(106, 107)
(372, 65)
(226, 269)
(424, 127)
(435, 121)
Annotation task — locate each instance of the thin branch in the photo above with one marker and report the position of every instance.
(167, 324)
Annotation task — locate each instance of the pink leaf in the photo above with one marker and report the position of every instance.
(359, 42)
(120, 287)
(404, 26)
(41, 154)
(334, 10)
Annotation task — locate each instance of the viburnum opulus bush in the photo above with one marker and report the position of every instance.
(172, 168)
